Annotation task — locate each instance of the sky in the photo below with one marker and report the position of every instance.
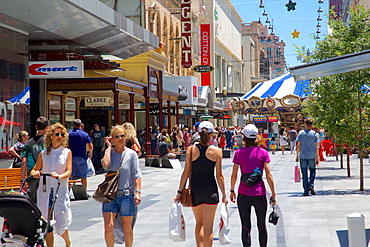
(303, 19)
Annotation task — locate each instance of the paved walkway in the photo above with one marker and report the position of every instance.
(311, 221)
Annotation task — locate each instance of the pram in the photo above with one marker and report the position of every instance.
(24, 224)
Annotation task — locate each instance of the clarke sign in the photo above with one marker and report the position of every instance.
(56, 69)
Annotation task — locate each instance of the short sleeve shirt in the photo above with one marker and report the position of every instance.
(130, 169)
(308, 140)
(248, 158)
(77, 142)
(98, 140)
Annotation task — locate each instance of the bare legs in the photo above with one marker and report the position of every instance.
(109, 229)
(50, 239)
(204, 217)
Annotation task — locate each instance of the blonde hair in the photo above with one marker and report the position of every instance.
(20, 135)
(130, 131)
(117, 130)
(50, 131)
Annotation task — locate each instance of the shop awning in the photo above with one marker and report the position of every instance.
(22, 98)
(279, 87)
(90, 23)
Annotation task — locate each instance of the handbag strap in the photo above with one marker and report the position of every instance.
(122, 157)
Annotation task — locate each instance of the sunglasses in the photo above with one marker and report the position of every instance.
(118, 136)
(59, 134)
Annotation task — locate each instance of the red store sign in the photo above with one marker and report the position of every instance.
(186, 60)
(205, 46)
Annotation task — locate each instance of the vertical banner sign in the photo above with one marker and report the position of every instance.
(186, 59)
(205, 52)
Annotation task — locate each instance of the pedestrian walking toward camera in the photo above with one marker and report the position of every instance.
(200, 164)
(31, 152)
(283, 140)
(77, 143)
(56, 159)
(308, 154)
(17, 149)
(253, 161)
(98, 136)
(129, 186)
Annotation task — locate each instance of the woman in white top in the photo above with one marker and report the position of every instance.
(57, 160)
(283, 140)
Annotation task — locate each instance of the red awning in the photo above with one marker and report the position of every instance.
(8, 122)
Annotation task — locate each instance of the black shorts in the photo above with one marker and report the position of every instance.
(204, 195)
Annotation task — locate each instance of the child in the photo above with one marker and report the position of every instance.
(222, 141)
(273, 144)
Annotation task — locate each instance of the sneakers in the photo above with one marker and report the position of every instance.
(312, 190)
(305, 194)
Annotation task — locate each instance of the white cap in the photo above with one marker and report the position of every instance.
(206, 124)
(250, 131)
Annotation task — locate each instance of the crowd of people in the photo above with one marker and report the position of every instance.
(64, 154)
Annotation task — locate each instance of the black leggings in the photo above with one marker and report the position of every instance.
(245, 204)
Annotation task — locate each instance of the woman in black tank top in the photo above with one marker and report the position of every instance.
(200, 164)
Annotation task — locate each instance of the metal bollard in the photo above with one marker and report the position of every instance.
(356, 230)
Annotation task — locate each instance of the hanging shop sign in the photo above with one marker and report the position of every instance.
(154, 109)
(203, 68)
(260, 119)
(98, 101)
(56, 69)
(271, 119)
(205, 51)
(186, 60)
(137, 106)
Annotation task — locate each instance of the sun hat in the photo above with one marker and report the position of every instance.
(250, 131)
(206, 124)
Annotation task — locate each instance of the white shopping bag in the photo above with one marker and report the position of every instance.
(224, 227)
(90, 168)
(177, 223)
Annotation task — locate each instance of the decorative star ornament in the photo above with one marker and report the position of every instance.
(295, 34)
(291, 5)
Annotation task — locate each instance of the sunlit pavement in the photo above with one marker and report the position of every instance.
(318, 220)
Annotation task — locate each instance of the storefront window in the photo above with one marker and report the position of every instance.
(55, 107)
(70, 106)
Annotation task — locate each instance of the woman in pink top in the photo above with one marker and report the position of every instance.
(252, 159)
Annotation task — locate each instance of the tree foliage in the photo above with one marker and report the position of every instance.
(339, 103)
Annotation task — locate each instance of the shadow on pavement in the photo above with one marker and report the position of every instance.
(343, 237)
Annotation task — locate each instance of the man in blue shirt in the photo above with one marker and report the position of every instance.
(77, 143)
(308, 152)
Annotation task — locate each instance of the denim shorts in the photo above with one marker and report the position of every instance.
(123, 205)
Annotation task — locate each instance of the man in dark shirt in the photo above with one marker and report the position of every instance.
(77, 144)
(98, 142)
(163, 149)
(31, 151)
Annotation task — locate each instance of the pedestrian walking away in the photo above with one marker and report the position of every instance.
(253, 161)
(292, 133)
(56, 159)
(308, 154)
(31, 152)
(77, 143)
(200, 164)
(129, 186)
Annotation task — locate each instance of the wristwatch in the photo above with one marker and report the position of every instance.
(138, 191)
(179, 191)
(232, 191)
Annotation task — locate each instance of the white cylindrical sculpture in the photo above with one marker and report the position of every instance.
(356, 230)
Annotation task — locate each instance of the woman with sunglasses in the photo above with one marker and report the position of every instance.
(129, 186)
(57, 160)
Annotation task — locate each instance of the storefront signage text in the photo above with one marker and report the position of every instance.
(56, 69)
(99, 101)
(205, 51)
(186, 60)
(272, 119)
(260, 119)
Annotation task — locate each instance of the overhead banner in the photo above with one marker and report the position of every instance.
(260, 119)
(205, 52)
(272, 119)
(186, 59)
(56, 69)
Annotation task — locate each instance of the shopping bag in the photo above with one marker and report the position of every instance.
(224, 227)
(177, 223)
(90, 168)
(297, 174)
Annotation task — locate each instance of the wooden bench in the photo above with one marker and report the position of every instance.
(10, 179)
(180, 155)
(78, 190)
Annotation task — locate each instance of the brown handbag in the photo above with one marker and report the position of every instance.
(186, 198)
(107, 190)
